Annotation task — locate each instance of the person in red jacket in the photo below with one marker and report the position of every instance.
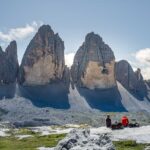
(125, 121)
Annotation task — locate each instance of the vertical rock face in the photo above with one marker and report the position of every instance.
(132, 81)
(8, 64)
(141, 86)
(8, 70)
(43, 61)
(93, 73)
(93, 65)
(43, 76)
(125, 75)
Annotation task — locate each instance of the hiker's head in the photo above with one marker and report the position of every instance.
(108, 116)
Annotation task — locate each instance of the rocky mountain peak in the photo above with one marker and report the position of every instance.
(9, 64)
(11, 50)
(93, 65)
(45, 31)
(125, 74)
(92, 37)
(43, 60)
(138, 74)
(132, 81)
(1, 50)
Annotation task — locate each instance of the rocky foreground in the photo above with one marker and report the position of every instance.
(74, 137)
(83, 140)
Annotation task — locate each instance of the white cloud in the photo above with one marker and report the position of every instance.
(143, 61)
(69, 59)
(19, 32)
(146, 72)
(143, 55)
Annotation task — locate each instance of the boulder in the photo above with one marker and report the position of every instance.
(83, 140)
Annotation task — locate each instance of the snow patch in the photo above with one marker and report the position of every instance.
(44, 148)
(130, 103)
(23, 136)
(77, 102)
(140, 135)
(3, 132)
(47, 130)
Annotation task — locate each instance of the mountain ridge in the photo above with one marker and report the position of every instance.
(92, 80)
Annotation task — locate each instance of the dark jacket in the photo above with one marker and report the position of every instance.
(108, 122)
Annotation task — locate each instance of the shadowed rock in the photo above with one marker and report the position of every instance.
(132, 81)
(108, 100)
(49, 95)
(8, 70)
(9, 64)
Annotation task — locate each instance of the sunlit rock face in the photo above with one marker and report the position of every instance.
(43, 76)
(93, 73)
(94, 63)
(43, 61)
(94, 79)
(8, 70)
(132, 81)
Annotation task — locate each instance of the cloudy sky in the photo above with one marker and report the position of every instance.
(123, 25)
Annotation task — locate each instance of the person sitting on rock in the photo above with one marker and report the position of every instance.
(108, 121)
(125, 121)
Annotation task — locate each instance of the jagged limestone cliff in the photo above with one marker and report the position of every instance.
(9, 64)
(43, 61)
(94, 63)
(8, 70)
(132, 81)
(93, 74)
(43, 77)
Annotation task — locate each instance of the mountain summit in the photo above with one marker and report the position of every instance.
(93, 65)
(93, 74)
(43, 77)
(132, 81)
(9, 64)
(94, 81)
(43, 61)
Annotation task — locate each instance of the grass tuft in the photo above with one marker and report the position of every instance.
(31, 143)
(129, 145)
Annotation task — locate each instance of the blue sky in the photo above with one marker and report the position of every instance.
(123, 25)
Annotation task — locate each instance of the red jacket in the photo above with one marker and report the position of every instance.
(124, 121)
